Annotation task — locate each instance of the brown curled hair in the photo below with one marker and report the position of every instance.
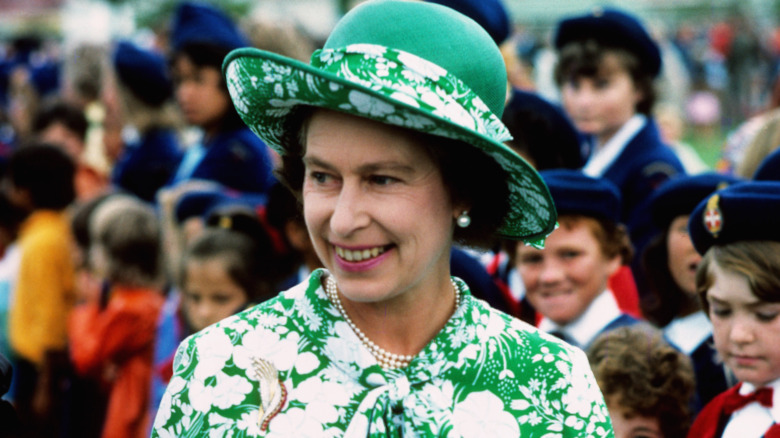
(637, 369)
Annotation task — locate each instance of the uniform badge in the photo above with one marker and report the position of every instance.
(272, 391)
(713, 218)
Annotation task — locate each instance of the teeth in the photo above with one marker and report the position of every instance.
(360, 255)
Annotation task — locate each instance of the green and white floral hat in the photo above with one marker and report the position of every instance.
(412, 64)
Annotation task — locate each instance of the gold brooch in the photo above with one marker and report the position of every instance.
(272, 391)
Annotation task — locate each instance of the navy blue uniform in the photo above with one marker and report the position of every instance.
(236, 159)
(148, 164)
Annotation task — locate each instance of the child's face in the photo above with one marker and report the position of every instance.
(562, 279)
(600, 105)
(199, 93)
(630, 425)
(746, 329)
(682, 256)
(209, 294)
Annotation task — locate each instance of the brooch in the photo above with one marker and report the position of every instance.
(272, 392)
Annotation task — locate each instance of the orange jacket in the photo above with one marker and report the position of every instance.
(117, 342)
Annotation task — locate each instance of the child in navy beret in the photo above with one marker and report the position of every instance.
(150, 156)
(606, 69)
(566, 282)
(228, 153)
(670, 263)
(738, 281)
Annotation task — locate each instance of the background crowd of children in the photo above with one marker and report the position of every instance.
(665, 272)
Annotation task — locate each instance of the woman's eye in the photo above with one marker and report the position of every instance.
(382, 180)
(766, 316)
(318, 177)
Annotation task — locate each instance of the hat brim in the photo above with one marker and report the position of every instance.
(266, 88)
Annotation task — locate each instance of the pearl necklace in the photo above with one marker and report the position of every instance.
(386, 359)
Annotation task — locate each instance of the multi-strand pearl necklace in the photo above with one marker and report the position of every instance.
(386, 359)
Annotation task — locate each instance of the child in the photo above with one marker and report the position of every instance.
(112, 338)
(151, 156)
(670, 263)
(230, 266)
(738, 281)
(607, 64)
(646, 383)
(40, 182)
(229, 152)
(566, 282)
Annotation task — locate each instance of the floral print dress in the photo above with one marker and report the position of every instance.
(485, 374)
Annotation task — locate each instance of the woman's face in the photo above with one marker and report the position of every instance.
(209, 294)
(600, 105)
(199, 93)
(376, 208)
(682, 256)
(746, 330)
(562, 279)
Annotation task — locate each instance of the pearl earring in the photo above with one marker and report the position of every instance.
(464, 220)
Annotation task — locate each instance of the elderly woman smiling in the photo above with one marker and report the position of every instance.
(392, 139)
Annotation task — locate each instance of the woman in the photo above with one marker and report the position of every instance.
(385, 342)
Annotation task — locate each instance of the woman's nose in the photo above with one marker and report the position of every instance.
(349, 212)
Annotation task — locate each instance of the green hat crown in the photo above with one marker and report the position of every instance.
(435, 33)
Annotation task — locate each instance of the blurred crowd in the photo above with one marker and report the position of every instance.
(137, 208)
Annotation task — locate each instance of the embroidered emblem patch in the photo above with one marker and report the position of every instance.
(713, 217)
(272, 392)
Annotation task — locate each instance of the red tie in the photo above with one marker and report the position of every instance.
(735, 401)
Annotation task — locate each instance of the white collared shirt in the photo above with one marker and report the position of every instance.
(583, 330)
(601, 158)
(688, 332)
(753, 420)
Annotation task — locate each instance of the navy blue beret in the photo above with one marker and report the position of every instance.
(490, 14)
(679, 196)
(612, 28)
(201, 23)
(744, 211)
(201, 203)
(46, 78)
(143, 72)
(769, 169)
(576, 193)
(551, 138)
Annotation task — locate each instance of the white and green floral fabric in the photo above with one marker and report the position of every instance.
(484, 375)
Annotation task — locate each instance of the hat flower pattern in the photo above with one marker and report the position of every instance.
(389, 86)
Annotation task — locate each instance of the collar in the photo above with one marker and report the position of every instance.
(688, 332)
(746, 388)
(583, 330)
(601, 158)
